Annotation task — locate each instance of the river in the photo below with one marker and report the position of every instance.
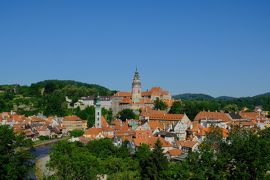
(41, 153)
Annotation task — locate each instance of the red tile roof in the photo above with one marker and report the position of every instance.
(151, 141)
(161, 115)
(175, 152)
(72, 118)
(92, 131)
(122, 94)
(212, 116)
(155, 91)
(189, 144)
(255, 116)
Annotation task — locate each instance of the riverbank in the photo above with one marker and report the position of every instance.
(41, 152)
(48, 142)
(41, 170)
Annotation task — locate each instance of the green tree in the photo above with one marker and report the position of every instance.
(160, 160)
(15, 159)
(127, 114)
(230, 108)
(153, 165)
(76, 133)
(160, 105)
(108, 114)
(72, 161)
(177, 108)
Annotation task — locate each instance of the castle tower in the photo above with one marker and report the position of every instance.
(136, 87)
(98, 113)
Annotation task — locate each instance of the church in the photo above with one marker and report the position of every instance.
(137, 99)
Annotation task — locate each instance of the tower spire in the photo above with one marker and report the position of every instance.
(136, 87)
(98, 113)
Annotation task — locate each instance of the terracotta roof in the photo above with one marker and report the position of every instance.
(160, 115)
(189, 144)
(244, 123)
(155, 91)
(204, 131)
(195, 126)
(212, 116)
(104, 123)
(156, 124)
(18, 118)
(175, 152)
(120, 125)
(168, 102)
(72, 118)
(122, 94)
(92, 131)
(126, 101)
(36, 119)
(252, 116)
(151, 141)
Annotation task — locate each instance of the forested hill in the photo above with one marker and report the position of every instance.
(194, 96)
(194, 103)
(47, 96)
(190, 96)
(67, 87)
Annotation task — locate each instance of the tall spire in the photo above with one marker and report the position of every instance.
(136, 75)
(136, 87)
(98, 113)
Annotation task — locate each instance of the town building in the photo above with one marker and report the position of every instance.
(138, 99)
(74, 122)
(84, 102)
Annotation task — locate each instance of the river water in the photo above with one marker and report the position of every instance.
(39, 152)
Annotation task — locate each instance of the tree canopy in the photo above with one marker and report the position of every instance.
(15, 159)
(160, 105)
(127, 114)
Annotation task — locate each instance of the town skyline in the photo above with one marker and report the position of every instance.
(185, 47)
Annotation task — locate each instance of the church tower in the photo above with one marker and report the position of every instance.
(136, 87)
(98, 113)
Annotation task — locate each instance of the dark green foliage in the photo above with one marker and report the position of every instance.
(108, 114)
(153, 164)
(87, 114)
(189, 96)
(14, 157)
(127, 114)
(43, 138)
(77, 161)
(177, 108)
(244, 155)
(73, 161)
(76, 133)
(46, 97)
(160, 105)
(230, 108)
(192, 106)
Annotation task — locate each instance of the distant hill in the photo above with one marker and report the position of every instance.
(47, 97)
(69, 88)
(47, 87)
(263, 95)
(225, 98)
(190, 96)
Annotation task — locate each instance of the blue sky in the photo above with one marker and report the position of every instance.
(213, 47)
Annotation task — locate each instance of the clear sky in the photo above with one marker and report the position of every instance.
(218, 47)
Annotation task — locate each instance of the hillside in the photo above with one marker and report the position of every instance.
(47, 96)
(194, 103)
(190, 96)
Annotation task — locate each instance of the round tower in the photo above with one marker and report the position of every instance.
(136, 87)
(98, 113)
